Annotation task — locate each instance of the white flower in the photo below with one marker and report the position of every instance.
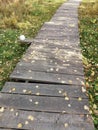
(22, 37)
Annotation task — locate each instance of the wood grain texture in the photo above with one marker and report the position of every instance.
(56, 44)
(72, 91)
(56, 53)
(49, 68)
(50, 51)
(47, 121)
(44, 104)
(46, 77)
(68, 29)
(53, 63)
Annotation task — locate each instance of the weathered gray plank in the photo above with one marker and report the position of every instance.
(56, 44)
(46, 52)
(57, 56)
(58, 32)
(56, 53)
(44, 121)
(67, 20)
(61, 25)
(64, 32)
(59, 38)
(46, 77)
(38, 55)
(54, 47)
(50, 69)
(66, 14)
(45, 89)
(69, 6)
(63, 11)
(43, 103)
(62, 42)
(53, 62)
(64, 46)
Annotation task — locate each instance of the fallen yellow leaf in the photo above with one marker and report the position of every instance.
(30, 117)
(20, 125)
(26, 122)
(2, 109)
(67, 98)
(66, 125)
(36, 103)
(79, 99)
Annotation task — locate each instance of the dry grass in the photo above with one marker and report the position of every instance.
(20, 14)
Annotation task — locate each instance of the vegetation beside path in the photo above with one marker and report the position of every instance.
(88, 16)
(19, 17)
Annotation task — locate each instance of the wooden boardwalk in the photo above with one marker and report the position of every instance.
(46, 91)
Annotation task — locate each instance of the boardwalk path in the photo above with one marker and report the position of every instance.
(46, 90)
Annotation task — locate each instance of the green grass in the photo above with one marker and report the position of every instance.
(88, 16)
(16, 18)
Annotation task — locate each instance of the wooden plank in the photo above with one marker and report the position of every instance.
(66, 41)
(72, 31)
(45, 90)
(61, 38)
(56, 57)
(68, 7)
(71, 3)
(43, 103)
(64, 55)
(54, 52)
(50, 69)
(67, 20)
(44, 121)
(59, 32)
(63, 22)
(53, 44)
(46, 77)
(44, 47)
(66, 14)
(57, 44)
(58, 24)
(41, 56)
(63, 11)
(53, 62)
